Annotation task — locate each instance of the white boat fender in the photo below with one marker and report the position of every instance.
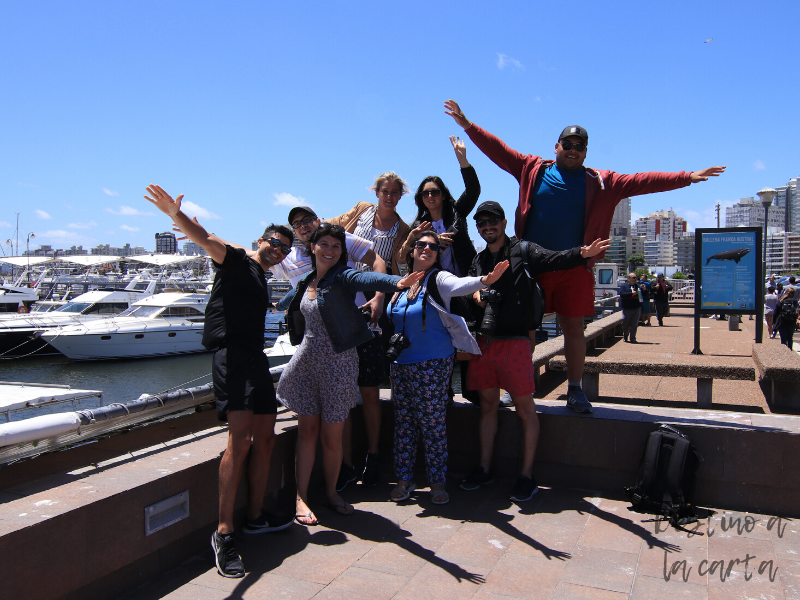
(38, 428)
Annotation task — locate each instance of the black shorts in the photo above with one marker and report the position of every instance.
(370, 362)
(242, 382)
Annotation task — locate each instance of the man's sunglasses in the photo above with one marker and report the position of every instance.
(420, 245)
(435, 193)
(579, 146)
(300, 223)
(484, 222)
(275, 243)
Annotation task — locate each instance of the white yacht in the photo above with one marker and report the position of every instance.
(161, 325)
(19, 333)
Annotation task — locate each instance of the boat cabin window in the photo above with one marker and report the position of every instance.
(107, 308)
(43, 308)
(144, 312)
(604, 276)
(182, 311)
(74, 307)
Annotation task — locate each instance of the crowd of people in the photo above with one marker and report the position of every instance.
(368, 291)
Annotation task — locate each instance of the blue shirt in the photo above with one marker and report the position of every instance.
(559, 205)
(433, 343)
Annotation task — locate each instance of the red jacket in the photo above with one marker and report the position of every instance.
(604, 189)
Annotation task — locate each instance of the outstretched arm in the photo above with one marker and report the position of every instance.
(193, 230)
(212, 236)
(472, 187)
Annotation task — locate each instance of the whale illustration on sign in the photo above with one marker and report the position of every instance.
(729, 255)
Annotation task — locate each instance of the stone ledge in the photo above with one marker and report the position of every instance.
(776, 362)
(700, 367)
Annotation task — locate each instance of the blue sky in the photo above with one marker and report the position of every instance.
(248, 107)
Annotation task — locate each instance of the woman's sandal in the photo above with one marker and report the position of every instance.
(308, 515)
(344, 509)
(405, 492)
(442, 495)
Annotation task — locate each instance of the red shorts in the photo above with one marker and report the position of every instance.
(569, 293)
(503, 363)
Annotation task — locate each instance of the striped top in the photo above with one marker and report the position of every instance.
(383, 241)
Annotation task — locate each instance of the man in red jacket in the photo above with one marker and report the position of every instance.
(563, 204)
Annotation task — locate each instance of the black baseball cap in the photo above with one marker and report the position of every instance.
(297, 209)
(574, 130)
(492, 208)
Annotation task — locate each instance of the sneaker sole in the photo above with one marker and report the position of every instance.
(216, 561)
(341, 487)
(518, 499)
(251, 530)
(587, 411)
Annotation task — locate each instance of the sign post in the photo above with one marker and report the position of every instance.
(728, 278)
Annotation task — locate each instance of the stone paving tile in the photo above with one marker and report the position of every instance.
(448, 583)
(605, 569)
(402, 558)
(523, 576)
(569, 591)
(362, 583)
(647, 588)
(658, 562)
(609, 534)
(790, 578)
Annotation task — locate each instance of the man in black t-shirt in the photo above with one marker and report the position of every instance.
(245, 396)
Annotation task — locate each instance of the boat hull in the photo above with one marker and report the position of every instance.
(113, 346)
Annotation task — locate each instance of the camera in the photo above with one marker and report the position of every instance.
(490, 296)
(397, 343)
(366, 311)
(489, 321)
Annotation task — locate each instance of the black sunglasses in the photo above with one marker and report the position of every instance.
(435, 193)
(579, 146)
(484, 222)
(275, 243)
(420, 245)
(304, 221)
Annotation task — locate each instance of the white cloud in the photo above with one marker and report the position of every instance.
(81, 225)
(69, 206)
(60, 236)
(635, 217)
(109, 192)
(40, 214)
(128, 228)
(193, 210)
(262, 223)
(284, 199)
(27, 185)
(129, 211)
(759, 165)
(4, 224)
(110, 232)
(504, 61)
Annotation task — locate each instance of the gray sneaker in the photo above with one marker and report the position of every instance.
(577, 401)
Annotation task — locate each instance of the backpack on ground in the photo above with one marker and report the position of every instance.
(537, 314)
(665, 483)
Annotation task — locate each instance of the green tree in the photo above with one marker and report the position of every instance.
(679, 275)
(636, 260)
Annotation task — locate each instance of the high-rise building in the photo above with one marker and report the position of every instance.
(749, 212)
(166, 243)
(659, 253)
(684, 251)
(789, 200)
(622, 247)
(193, 249)
(662, 225)
(783, 252)
(621, 223)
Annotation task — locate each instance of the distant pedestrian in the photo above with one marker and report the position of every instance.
(629, 300)
(787, 309)
(644, 285)
(661, 292)
(770, 302)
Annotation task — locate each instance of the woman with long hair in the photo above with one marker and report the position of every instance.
(787, 316)
(423, 350)
(320, 381)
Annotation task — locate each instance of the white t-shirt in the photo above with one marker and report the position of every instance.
(298, 262)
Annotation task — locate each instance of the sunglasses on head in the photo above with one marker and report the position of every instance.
(276, 243)
(420, 245)
(301, 222)
(579, 146)
(435, 193)
(491, 221)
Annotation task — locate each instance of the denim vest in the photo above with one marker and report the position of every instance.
(344, 322)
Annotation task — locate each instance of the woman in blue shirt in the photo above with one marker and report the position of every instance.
(421, 371)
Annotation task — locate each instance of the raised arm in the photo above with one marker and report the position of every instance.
(504, 157)
(192, 228)
(472, 187)
(212, 236)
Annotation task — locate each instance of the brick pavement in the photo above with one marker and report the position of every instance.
(562, 544)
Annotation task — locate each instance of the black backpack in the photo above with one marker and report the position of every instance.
(665, 484)
(789, 310)
(537, 295)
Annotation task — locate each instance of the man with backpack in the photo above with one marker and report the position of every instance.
(787, 316)
(508, 315)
